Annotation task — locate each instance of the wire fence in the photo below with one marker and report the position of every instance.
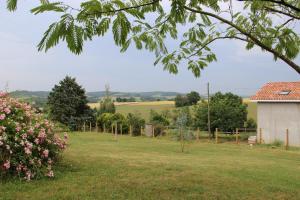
(217, 136)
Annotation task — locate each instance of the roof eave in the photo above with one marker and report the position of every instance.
(274, 101)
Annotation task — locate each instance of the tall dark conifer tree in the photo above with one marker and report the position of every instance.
(68, 103)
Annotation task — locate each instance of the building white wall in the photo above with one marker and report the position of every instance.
(275, 118)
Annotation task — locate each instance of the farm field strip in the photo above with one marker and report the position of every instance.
(144, 107)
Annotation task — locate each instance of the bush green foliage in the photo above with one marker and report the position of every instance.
(181, 101)
(251, 123)
(193, 97)
(189, 99)
(67, 103)
(159, 118)
(107, 106)
(109, 119)
(160, 121)
(28, 146)
(136, 121)
(180, 112)
(120, 99)
(227, 112)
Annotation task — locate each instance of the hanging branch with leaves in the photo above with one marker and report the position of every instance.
(148, 24)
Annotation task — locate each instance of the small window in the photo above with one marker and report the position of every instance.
(284, 92)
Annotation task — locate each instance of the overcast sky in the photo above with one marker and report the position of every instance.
(24, 68)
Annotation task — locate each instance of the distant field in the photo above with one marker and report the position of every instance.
(252, 109)
(144, 107)
(141, 107)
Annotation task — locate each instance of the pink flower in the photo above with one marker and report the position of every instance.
(30, 131)
(24, 136)
(66, 136)
(27, 151)
(27, 107)
(28, 176)
(46, 153)
(29, 144)
(3, 94)
(18, 128)
(50, 174)
(6, 165)
(7, 110)
(2, 116)
(2, 128)
(36, 141)
(42, 134)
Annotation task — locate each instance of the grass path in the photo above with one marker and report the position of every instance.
(97, 167)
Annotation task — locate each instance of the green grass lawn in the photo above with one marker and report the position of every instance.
(95, 166)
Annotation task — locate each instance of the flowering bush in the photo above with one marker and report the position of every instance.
(28, 146)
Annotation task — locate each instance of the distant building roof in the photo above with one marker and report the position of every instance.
(278, 92)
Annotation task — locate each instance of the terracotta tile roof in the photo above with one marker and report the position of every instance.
(278, 91)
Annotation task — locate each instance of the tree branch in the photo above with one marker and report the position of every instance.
(128, 8)
(281, 12)
(250, 36)
(280, 2)
(214, 39)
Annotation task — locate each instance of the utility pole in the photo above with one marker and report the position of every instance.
(208, 111)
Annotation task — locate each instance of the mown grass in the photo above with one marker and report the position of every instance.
(95, 166)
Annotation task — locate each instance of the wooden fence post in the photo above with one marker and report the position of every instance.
(112, 128)
(97, 129)
(216, 135)
(130, 130)
(141, 130)
(237, 136)
(167, 134)
(121, 129)
(116, 130)
(198, 134)
(84, 126)
(153, 129)
(287, 139)
(104, 128)
(90, 126)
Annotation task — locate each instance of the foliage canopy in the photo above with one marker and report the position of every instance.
(267, 24)
(68, 104)
(227, 112)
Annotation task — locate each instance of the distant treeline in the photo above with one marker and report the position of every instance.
(39, 98)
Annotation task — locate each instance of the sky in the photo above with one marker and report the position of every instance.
(24, 68)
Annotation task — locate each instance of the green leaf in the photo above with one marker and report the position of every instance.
(46, 7)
